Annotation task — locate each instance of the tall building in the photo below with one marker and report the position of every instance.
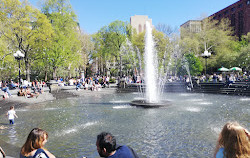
(138, 22)
(239, 14)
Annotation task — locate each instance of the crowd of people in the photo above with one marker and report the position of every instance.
(90, 83)
(221, 77)
(27, 90)
(233, 142)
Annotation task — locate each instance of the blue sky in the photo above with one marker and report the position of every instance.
(94, 14)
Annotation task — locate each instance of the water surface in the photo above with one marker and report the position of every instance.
(186, 129)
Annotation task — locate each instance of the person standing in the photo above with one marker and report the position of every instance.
(107, 147)
(233, 142)
(11, 115)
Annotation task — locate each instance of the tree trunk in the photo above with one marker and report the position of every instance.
(46, 76)
(69, 73)
(54, 73)
(27, 65)
(120, 66)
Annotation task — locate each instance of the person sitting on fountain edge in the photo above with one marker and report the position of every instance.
(106, 147)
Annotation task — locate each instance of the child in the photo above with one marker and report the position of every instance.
(11, 114)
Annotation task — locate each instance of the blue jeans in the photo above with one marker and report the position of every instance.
(11, 121)
(6, 89)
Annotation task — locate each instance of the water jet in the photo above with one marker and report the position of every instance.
(152, 95)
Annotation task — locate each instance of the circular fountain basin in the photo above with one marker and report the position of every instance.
(143, 103)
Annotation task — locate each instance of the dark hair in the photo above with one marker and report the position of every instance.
(106, 140)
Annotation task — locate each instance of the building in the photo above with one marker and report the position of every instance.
(193, 26)
(138, 22)
(239, 14)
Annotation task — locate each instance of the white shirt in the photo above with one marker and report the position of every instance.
(11, 114)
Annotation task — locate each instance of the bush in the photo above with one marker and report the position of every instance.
(112, 80)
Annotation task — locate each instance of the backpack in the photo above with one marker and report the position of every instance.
(40, 153)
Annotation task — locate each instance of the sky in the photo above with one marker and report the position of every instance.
(95, 14)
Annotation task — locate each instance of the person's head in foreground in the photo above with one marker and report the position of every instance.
(35, 140)
(106, 144)
(233, 142)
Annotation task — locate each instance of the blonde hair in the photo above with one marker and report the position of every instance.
(34, 141)
(235, 141)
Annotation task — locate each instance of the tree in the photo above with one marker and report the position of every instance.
(215, 37)
(108, 42)
(166, 29)
(162, 44)
(162, 48)
(63, 51)
(26, 29)
(189, 63)
(87, 47)
(242, 58)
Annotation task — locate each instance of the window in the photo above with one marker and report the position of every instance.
(214, 17)
(233, 9)
(240, 5)
(140, 29)
(226, 12)
(240, 24)
(219, 15)
(233, 20)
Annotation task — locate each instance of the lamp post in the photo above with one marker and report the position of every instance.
(18, 56)
(206, 55)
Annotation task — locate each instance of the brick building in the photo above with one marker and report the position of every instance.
(239, 14)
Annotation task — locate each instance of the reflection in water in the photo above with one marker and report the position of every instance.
(245, 99)
(193, 109)
(187, 128)
(195, 100)
(12, 134)
(205, 103)
(122, 107)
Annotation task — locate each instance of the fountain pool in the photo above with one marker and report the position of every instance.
(188, 128)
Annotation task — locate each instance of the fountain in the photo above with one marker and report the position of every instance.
(152, 99)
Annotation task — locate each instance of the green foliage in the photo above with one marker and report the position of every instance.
(194, 65)
(112, 80)
(215, 37)
(161, 43)
(109, 41)
(64, 48)
(242, 58)
(162, 47)
(25, 29)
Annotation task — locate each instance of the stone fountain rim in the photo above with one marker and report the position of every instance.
(143, 103)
